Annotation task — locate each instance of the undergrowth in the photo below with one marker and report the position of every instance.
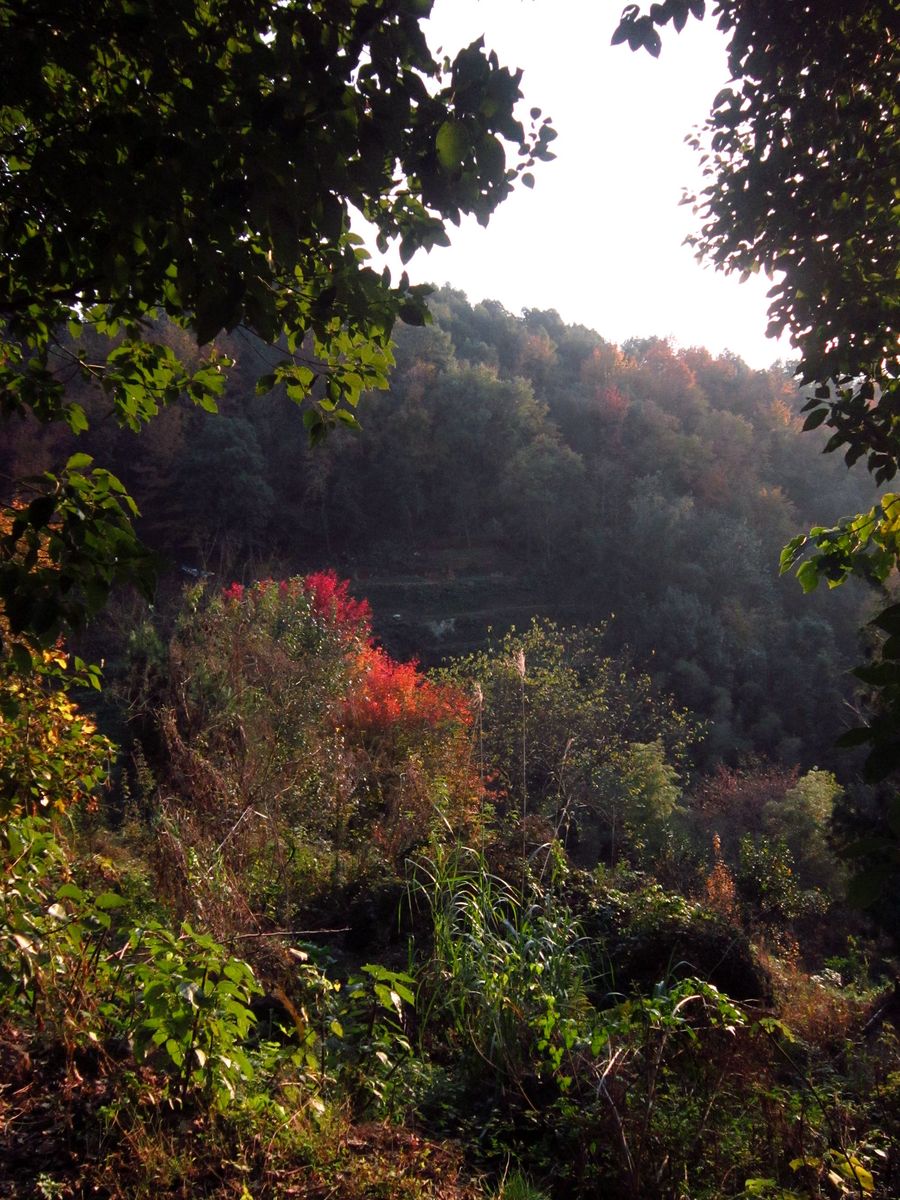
(319, 946)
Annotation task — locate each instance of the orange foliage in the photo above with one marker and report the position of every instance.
(596, 375)
(388, 692)
(720, 889)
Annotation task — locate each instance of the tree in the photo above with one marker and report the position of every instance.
(800, 154)
(580, 742)
(641, 798)
(802, 161)
(801, 158)
(200, 160)
(802, 817)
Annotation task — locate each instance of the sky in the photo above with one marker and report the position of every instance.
(600, 237)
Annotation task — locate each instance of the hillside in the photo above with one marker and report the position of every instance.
(519, 466)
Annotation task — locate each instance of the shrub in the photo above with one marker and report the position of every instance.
(767, 882)
(74, 964)
(577, 739)
(51, 756)
(299, 758)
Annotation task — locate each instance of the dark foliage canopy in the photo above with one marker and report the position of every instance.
(801, 157)
(202, 159)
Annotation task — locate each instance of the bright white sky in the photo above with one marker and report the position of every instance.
(600, 236)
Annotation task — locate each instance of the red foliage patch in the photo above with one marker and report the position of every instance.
(613, 403)
(391, 693)
(330, 598)
(382, 692)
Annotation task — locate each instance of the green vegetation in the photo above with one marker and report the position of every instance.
(198, 163)
(800, 157)
(676, 480)
(339, 922)
(284, 914)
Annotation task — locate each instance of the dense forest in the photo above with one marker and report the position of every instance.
(518, 466)
(434, 792)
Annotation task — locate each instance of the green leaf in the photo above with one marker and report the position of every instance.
(759, 1187)
(815, 419)
(412, 314)
(76, 418)
(888, 619)
(21, 658)
(882, 762)
(79, 462)
(174, 1051)
(790, 552)
(215, 311)
(451, 145)
(774, 1025)
(69, 891)
(404, 992)
(40, 511)
(808, 575)
(881, 674)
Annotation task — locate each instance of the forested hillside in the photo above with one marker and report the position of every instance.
(519, 466)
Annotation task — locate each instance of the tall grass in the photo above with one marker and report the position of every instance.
(505, 976)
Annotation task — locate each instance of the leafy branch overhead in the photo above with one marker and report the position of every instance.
(800, 155)
(637, 28)
(202, 160)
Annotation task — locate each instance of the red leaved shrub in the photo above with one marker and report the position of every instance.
(387, 692)
(330, 597)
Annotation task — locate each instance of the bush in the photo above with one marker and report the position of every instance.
(300, 761)
(641, 936)
(577, 739)
(52, 758)
(76, 965)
